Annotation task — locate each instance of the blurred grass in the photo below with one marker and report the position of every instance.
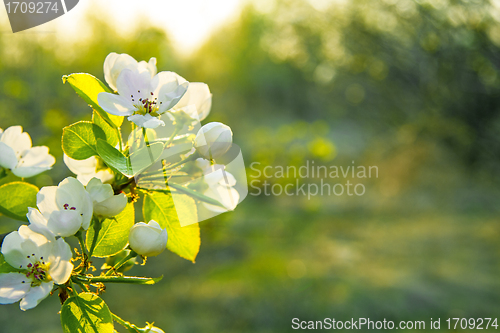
(409, 86)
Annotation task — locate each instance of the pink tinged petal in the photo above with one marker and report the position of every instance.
(146, 121)
(8, 158)
(35, 295)
(65, 223)
(115, 104)
(61, 266)
(13, 252)
(46, 200)
(12, 288)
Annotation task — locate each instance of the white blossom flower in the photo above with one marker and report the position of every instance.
(85, 170)
(106, 204)
(42, 260)
(148, 239)
(17, 153)
(220, 186)
(213, 140)
(65, 208)
(143, 98)
(196, 102)
(115, 63)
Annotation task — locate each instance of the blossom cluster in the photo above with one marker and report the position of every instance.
(36, 259)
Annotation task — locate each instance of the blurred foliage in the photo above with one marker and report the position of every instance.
(411, 86)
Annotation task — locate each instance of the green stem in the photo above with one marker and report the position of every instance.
(83, 286)
(116, 279)
(145, 136)
(176, 131)
(195, 194)
(97, 227)
(119, 133)
(122, 262)
(126, 324)
(85, 255)
(73, 291)
(191, 157)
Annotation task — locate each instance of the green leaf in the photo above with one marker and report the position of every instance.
(86, 313)
(15, 198)
(184, 241)
(88, 87)
(111, 134)
(135, 164)
(5, 267)
(79, 139)
(113, 157)
(143, 158)
(113, 234)
(118, 279)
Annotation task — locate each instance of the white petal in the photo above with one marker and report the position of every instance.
(61, 267)
(72, 192)
(133, 85)
(87, 166)
(16, 139)
(99, 191)
(38, 223)
(65, 223)
(8, 158)
(227, 196)
(146, 121)
(169, 88)
(115, 104)
(35, 243)
(148, 66)
(198, 96)
(12, 288)
(35, 160)
(114, 64)
(35, 295)
(13, 252)
(112, 206)
(46, 200)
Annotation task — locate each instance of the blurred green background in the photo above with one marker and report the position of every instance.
(412, 87)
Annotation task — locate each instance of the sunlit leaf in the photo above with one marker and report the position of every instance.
(88, 87)
(113, 233)
(137, 162)
(79, 139)
(15, 198)
(111, 134)
(184, 241)
(86, 313)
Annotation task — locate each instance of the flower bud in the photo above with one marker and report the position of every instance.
(213, 140)
(148, 239)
